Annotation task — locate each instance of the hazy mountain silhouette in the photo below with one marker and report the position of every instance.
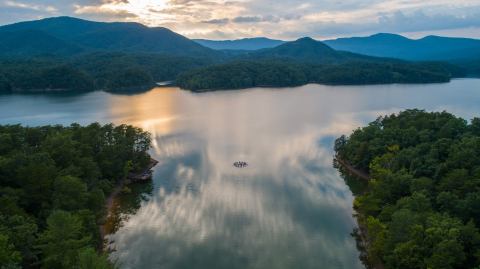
(397, 46)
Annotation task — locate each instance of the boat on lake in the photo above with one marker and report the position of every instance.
(240, 164)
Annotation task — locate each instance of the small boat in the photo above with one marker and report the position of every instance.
(240, 164)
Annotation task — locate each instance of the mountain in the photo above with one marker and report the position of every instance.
(396, 46)
(305, 49)
(69, 35)
(309, 50)
(240, 44)
(121, 55)
(309, 61)
(19, 43)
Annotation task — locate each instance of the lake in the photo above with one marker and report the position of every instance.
(289, 208)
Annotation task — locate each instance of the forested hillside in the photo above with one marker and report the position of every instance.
(97, 71)
(70, 36)
(421, 206)
(71, 54)
(53, 184)
(286, 73)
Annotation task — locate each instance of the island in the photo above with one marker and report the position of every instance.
(419, 207)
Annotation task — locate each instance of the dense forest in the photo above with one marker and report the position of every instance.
(96, 71)
(285, 73)
(53, 184)
(421, 208)
(71, 54)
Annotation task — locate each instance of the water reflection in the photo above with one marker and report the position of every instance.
(288, 209)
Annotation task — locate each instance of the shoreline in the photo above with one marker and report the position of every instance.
(360, 233)
(110, 201)
(352, 170)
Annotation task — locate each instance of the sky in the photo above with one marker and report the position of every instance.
(281, 19)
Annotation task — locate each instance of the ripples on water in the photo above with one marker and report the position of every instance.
(288, 209)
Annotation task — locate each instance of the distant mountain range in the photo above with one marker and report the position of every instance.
(397, 46)
(67, 36)
(59, 53)
(309, 61)
(255, 43)
(380, 45)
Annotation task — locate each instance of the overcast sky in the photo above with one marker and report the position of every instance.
(284, 19)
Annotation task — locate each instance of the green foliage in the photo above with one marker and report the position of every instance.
(42, 75)
(96, 71)
(61, 240)
(130, 78)
(70, 193)
(9, 257)
(89, 259)
(287, 72)
(4, 84)
(53, 183)
(21, 232)
(115, 71)
(422, 206)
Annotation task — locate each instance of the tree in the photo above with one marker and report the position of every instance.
(424, 195)
(21, 232)
(9, 257)
(5, 85)
(442, 237)
(53, 181)
(89, 259)
(62, 240)
(475, 127)
(70, 193)
(36, 180)
(376, 233)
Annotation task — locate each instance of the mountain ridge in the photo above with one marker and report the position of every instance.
(389, 45)
(428, 48)
(111, 36)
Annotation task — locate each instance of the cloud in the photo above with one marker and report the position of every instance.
(217, 21)
(247, 19)
(286, 19)
(397, 22)
(105, 13)
(15, 4)
(419, 21)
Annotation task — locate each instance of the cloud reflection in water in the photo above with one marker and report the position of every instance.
(287, 209)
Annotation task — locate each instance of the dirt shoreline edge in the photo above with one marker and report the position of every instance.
(109, 202)
(361, 233)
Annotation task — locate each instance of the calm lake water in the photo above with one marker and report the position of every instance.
(288, 209)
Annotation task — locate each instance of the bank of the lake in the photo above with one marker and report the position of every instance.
(110, 222)
(53, 181)
(358, 180)
(424, 189)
